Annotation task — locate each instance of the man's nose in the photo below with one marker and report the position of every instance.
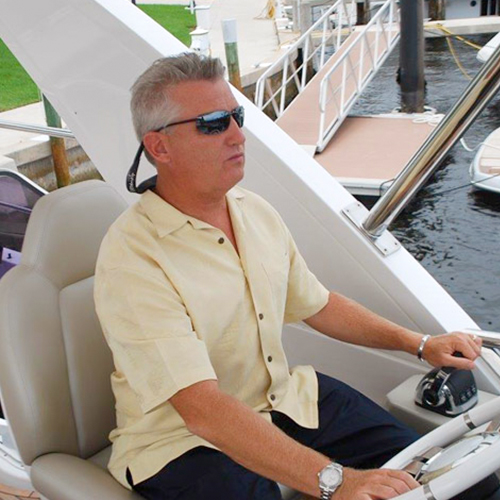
(235, 133)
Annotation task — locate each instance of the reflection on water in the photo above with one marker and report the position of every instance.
(455, 234)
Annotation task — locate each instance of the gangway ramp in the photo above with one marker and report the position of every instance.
(301, 120)
(317, 112)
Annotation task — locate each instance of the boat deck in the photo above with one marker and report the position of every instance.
(8, 493)
(368, 152)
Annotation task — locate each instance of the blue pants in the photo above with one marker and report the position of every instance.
(353, 431)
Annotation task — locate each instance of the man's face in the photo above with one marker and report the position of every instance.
(203, 164)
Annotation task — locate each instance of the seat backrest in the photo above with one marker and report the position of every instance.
(55, 365)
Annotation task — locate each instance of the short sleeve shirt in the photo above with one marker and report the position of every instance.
(179, 305)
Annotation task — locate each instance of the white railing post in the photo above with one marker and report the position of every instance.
(362, 60)
(305, 59)
(259, 98)
(322, 109)
(283, 87)
(339, 26)
(322, 53)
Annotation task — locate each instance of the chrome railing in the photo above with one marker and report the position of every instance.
(37, 129)
(426, 160)
(490, 339)
(357, 66)
(331, 29)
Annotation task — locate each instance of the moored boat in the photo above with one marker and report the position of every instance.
(485, 167)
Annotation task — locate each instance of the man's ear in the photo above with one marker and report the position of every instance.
(156, 145)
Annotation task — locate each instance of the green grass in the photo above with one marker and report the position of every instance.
(18, 89)
(174, 18)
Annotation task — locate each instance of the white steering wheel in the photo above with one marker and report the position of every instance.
(445, 469)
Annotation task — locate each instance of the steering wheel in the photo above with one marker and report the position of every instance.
(446, 461)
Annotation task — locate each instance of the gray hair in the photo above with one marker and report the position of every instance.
(150, 105)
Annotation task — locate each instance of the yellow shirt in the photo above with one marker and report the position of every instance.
(178, 305)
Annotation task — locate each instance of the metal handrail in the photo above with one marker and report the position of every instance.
(386, 24)
(426, 160)
(490, 339)
(298, 74)
(37, 129)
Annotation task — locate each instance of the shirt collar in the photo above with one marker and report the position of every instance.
(166, 218)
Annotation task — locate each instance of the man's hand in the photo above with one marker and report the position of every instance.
(438, 351)
(374, 484)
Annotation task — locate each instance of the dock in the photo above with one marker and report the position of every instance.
(368, 153)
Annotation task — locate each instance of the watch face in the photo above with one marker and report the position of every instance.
(330, 477)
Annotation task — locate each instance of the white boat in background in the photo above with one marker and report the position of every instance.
(84, 55)
(485, 168)
(485, 53)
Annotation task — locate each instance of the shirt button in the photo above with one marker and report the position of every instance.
(269, 358)
(261, 316)
(221, 241)
(272, 397)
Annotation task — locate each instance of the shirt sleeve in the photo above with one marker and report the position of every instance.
(150, 335)
(305, 294)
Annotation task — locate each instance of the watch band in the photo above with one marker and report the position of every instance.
(326, 494)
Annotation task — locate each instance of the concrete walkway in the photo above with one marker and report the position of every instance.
(14, 143)
(258, 41)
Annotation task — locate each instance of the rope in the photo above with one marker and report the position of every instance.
(429, 116)
(457, 60)
(446, 191)
(458, 37)
(471, 150)
(450, 35)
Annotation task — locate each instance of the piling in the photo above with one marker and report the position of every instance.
(57, 146)
(231, 48)
(362, 12)
(411, 56)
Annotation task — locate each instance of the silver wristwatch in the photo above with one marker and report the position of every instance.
(330, 478)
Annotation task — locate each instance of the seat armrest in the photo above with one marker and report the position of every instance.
(57, 476)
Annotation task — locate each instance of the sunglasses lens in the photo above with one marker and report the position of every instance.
(239, 115)
(213, 123)
(219, 121)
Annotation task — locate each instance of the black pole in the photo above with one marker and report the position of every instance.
(411, 56)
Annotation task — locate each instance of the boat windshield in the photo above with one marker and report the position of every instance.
(17, 199)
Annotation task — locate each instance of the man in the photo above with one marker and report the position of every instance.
(193, 285)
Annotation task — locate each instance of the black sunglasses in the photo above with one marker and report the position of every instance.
(213, 123)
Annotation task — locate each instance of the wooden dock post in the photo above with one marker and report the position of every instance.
(411, 56)
(362, 12)
(437, 10)
(57, 145)
(231, 46)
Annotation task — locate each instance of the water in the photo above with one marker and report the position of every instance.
(455, 235)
